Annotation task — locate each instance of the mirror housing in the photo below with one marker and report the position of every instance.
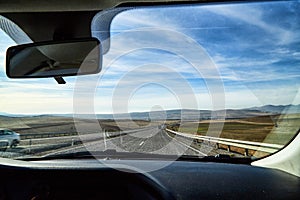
(54, 59)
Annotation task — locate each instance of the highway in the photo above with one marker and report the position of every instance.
(151, 140)
(147, 140)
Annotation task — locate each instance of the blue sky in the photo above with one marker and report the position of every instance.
(200, 57)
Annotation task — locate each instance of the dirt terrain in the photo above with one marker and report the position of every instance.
(278, 129)
(274, 129)
(68, 125)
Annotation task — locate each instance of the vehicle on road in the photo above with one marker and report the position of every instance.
(9, 138)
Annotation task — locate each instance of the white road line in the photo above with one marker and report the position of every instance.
(104, 139)
(69, 149)
(196, 150)
(76, 147)
(62, 151)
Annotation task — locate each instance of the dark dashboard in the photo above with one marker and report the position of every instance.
(89, 179)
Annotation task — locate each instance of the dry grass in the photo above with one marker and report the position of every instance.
(52, 124)
(274, 129)
(278, 129)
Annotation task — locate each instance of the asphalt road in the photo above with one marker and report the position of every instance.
(151, 140)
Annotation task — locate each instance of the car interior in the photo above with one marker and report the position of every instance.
(276, 176)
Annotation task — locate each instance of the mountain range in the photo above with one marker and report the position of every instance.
(187, 114)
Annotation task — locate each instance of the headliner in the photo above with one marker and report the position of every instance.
(12, 6)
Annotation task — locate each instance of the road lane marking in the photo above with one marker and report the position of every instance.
(192, 148)
(104, 140)
(79, 146)
(142, 143)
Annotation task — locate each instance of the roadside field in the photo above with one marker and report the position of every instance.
(276, 129)
(52, 124)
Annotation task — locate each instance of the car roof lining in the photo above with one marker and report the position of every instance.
(74, 5)
(44, 20)
(44, 26)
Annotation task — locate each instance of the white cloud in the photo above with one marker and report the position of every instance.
(34, 102)
(164, 57)
(254, 16)
(141, 18)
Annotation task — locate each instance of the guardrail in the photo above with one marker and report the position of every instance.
(37, 143)
(247, 145)
(25, 136)
(40, 142)
(45, 135)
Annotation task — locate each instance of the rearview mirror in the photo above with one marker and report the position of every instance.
(54, 59)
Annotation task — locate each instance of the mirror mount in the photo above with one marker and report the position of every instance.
(60, 80)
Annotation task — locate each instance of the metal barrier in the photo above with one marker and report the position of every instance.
(46, 135)
(247, 145)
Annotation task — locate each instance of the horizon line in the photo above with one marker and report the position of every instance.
(38, 114)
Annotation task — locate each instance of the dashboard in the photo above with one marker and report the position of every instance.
(125, 179)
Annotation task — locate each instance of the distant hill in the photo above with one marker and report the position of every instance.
(187, 114)
(206, 114)
(4, 114)
(278, 109)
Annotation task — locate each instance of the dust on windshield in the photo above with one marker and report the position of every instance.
(197, 80)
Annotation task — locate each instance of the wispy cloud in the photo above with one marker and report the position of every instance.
(179, 58)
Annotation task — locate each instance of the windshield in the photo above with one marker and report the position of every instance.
(199, 80)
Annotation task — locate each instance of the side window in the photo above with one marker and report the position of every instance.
(7, 132)
(1, 132)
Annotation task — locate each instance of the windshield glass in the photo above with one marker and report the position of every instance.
(197, 80)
